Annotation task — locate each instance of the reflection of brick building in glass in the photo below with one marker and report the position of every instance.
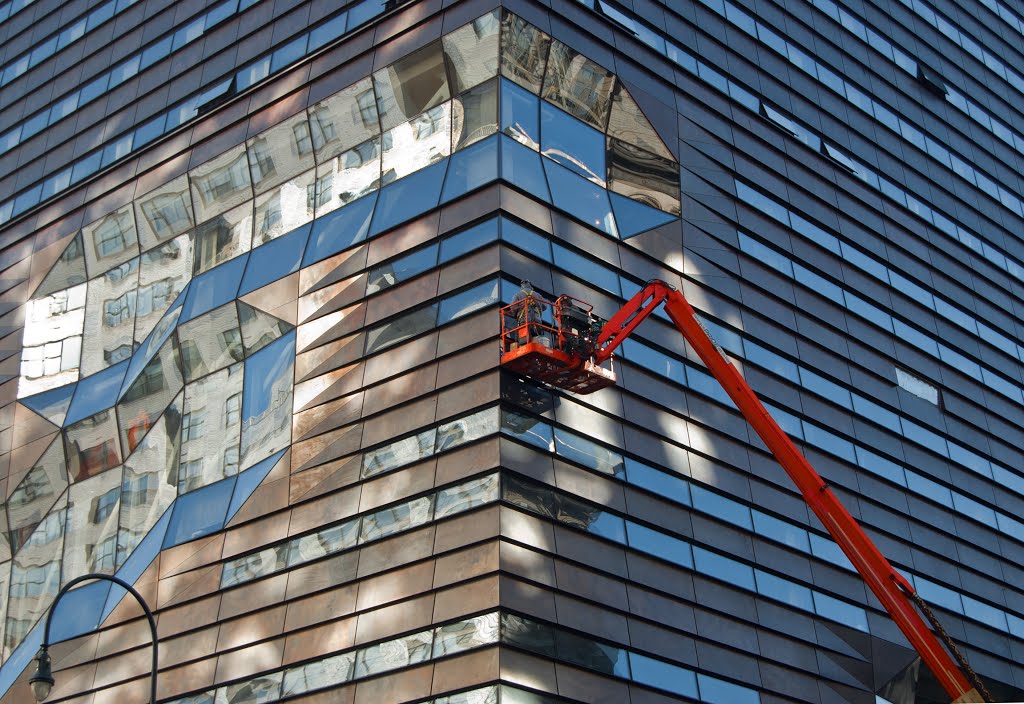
(254, 255)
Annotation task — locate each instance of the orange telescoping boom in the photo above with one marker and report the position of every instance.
(566, 350)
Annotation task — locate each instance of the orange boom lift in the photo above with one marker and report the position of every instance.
(563, 344)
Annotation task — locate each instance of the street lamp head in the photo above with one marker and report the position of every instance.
(42, 680)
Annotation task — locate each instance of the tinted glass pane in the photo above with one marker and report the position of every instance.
(411, 86)
(405, 199)
(520, 115)
(658, 544)
(522, 168)
(524, 52)
(472, 52)
(213, 288)
(578, 85)
(275, 260)
(475, 115)
(663, 675)
(199, 513)
(471, 168)
(580, 197)
(572, 144)
(339, 230)
(267, 401)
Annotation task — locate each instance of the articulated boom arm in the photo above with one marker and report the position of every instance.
(891, 588)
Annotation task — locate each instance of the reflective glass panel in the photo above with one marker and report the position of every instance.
(580, 198)
(470, 169)
(92, 517)
(475, 115)
(463, 430)
(280, 153)
(398, 453)
(527, 634)
(396, 519)
(68, 270)
(34, 496)
(255, 565)
(576, 146)
(643, 176)
(110, 318)
(210, 428)
(259, 329)
(408, 198)
(472, 52)
(148, 395)
(164, 213)
(275, 260)
(267, 401)
(402, 269)
(628, 124)
(520, 115)
(591, 654)
(633, 217)
(52, 340)
(110, 241)
(578, 85)
(522, 167)
(221, 184)
(285, 208)
(265, 688)
(163, 273)
(393, 654)
(411, 86)
(323, 542)
(344, 120)
(35, 576)
(339, 230)
(150, 480)
(223, 237)
(413, 145)
(96, 392)
(52, 405)
(463, 635)
(210, 342)
(468, 301)
(199, 513)
(348, 176)
(328, 672)
(467, 495)
(656, 543)
(655, 673)
(213, 288)
(524, 52)
(92, 445)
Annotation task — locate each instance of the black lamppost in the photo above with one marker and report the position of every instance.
(42, 680)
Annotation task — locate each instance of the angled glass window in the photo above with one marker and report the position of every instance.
(110, 241)
(578, 85)
(349, 176)
(475, 115)
(344, 120)
(471, 168)
(472, 52)
(164, 271)
(643, 176)
(414, 145)
(580, 197)
(627, 123)
(578, 147)
(402, 269)
(411, 86)
(328, 672)
(199, 513)
(393, 654)
(149, 394)
(408, 198)
(92, 445)
(524, 52)
(52, 340)
(221, 184)
(339, 230)
(34, 496)
(110, 317)
(520, 115)
(210, 425)
(663, 675)
(280, 153)
(90, 543)
(213, 288)
(210, 342)
(150, 481)
(284, 208)
(267, 401)
(522, 167)
(223, 237)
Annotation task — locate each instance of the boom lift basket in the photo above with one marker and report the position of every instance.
(553, 342)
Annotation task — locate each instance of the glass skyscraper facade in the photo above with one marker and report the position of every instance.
(253, 257)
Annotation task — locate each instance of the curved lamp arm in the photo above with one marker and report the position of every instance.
(42, 680)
